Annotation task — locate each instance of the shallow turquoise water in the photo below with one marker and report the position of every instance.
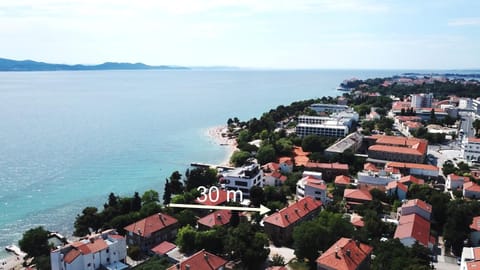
(68, 139)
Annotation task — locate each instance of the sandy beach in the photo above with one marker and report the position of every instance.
(216, 135)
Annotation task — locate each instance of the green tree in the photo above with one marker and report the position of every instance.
(186, 239)
(201, 177)
(278, 260)
(136, 202)
(150, 196)
(35, 243)
(186, 217)
(265, 154)
(257, 195)
(89, 219)
(248, 245)
(239, 158)
(457, 227)
(476, 126)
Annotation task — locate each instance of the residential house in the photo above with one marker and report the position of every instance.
(286, 164)
(279, 226)
(414, 169)
(202, 260)
(151, 231)
(455, 182)
(357, 221)
(342, 181)
(470, 259)
(471, 190)
(356, 196)
(329, 170)
(414, 228)
(300, 156)
(415, 206)
(410, 179)
(397, 189)
(472, 149)
(310, 186)
(163, 248)
(217, 218)
(106, 250)
(244, 178)
(274, 179)
(381, 177)
(475, 231)
(345, 254)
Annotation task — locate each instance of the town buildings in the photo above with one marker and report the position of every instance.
(472, 149)
(106, 250)
(202, 260)
(311, 186)
(329, 170)
(402, 149)
(455, 182)
(352, 142)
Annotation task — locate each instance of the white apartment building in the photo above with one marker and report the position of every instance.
(472, 149)
(377, 178)
(319, 107)
(422, 100)
(312, 185)
(244, 178)
(106, 250)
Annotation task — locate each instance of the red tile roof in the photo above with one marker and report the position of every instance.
(301, 157)
(334, 166)
(370, 167)
(345, 254)
(473, 140)
(314, 182)
(357, 194)
(222, 198)
(202, 260)
(399, 185)
(95, 245)
(475, 224)
(454, 177)
(411, 179)
(286, 160)
(418, 203)
(357, 221)
(471, 186)
(395, 149)
(163, 248)
(271, 166)
(154, 223)
(402, 118)
(71, 256)
(217, 218)
(401, 165)
(473, 265)
(342, 180)
(294, 212)
(413, 226)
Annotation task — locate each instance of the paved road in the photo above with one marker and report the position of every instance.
(466, 124)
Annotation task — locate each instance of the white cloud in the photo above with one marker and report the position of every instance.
(472, 21)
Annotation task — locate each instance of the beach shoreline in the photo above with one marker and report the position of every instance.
(217, 135)
(11, 262)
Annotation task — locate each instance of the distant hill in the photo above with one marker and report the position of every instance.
(29, 65)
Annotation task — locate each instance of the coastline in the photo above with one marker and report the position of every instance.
(216, 136)
(11, 262)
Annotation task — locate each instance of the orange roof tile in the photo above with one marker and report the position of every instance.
(411, 179)
(345, 254)
(71, 256)
(294, 212)
(334, 166)
(471, 186)
(202, 260)
(342, 180)
(357, 194)
(473, 265)
(454, 177)
(95, 245)
(401, 165)
(154, 223)
(271, 166)
(418, 203)
(163, 248)
(395, 184)
(286, 160)
(395, 149)
(473, 140)
(370, 167)
(413, 226)
(475, 224)
(357, 221)
(217, 218)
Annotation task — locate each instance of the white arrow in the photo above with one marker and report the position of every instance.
(262, 209)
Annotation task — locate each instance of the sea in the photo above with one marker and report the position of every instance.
(69, 138)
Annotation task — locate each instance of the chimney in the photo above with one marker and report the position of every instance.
(205, 256)
(139, 232)
(219, 217)
(187, 266)
(305, 205)
(357, 243)
(177, 265)
(161, 218)
(286, 217)
(336, 252)
(348, 252)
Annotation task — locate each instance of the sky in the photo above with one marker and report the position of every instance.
(283, 34)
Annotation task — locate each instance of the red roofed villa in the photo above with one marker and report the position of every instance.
(202, 260)
(356, 196)
(217, 218)
(413, 228)
(345, 254)
(279, 226)
(151, 231)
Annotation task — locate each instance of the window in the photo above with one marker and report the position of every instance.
(241, 183)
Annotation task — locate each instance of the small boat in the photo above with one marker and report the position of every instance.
(14, 249)
(10, 248)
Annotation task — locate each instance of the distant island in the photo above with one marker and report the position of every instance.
(29, 65)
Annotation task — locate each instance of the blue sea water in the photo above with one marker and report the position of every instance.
(68, 139)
